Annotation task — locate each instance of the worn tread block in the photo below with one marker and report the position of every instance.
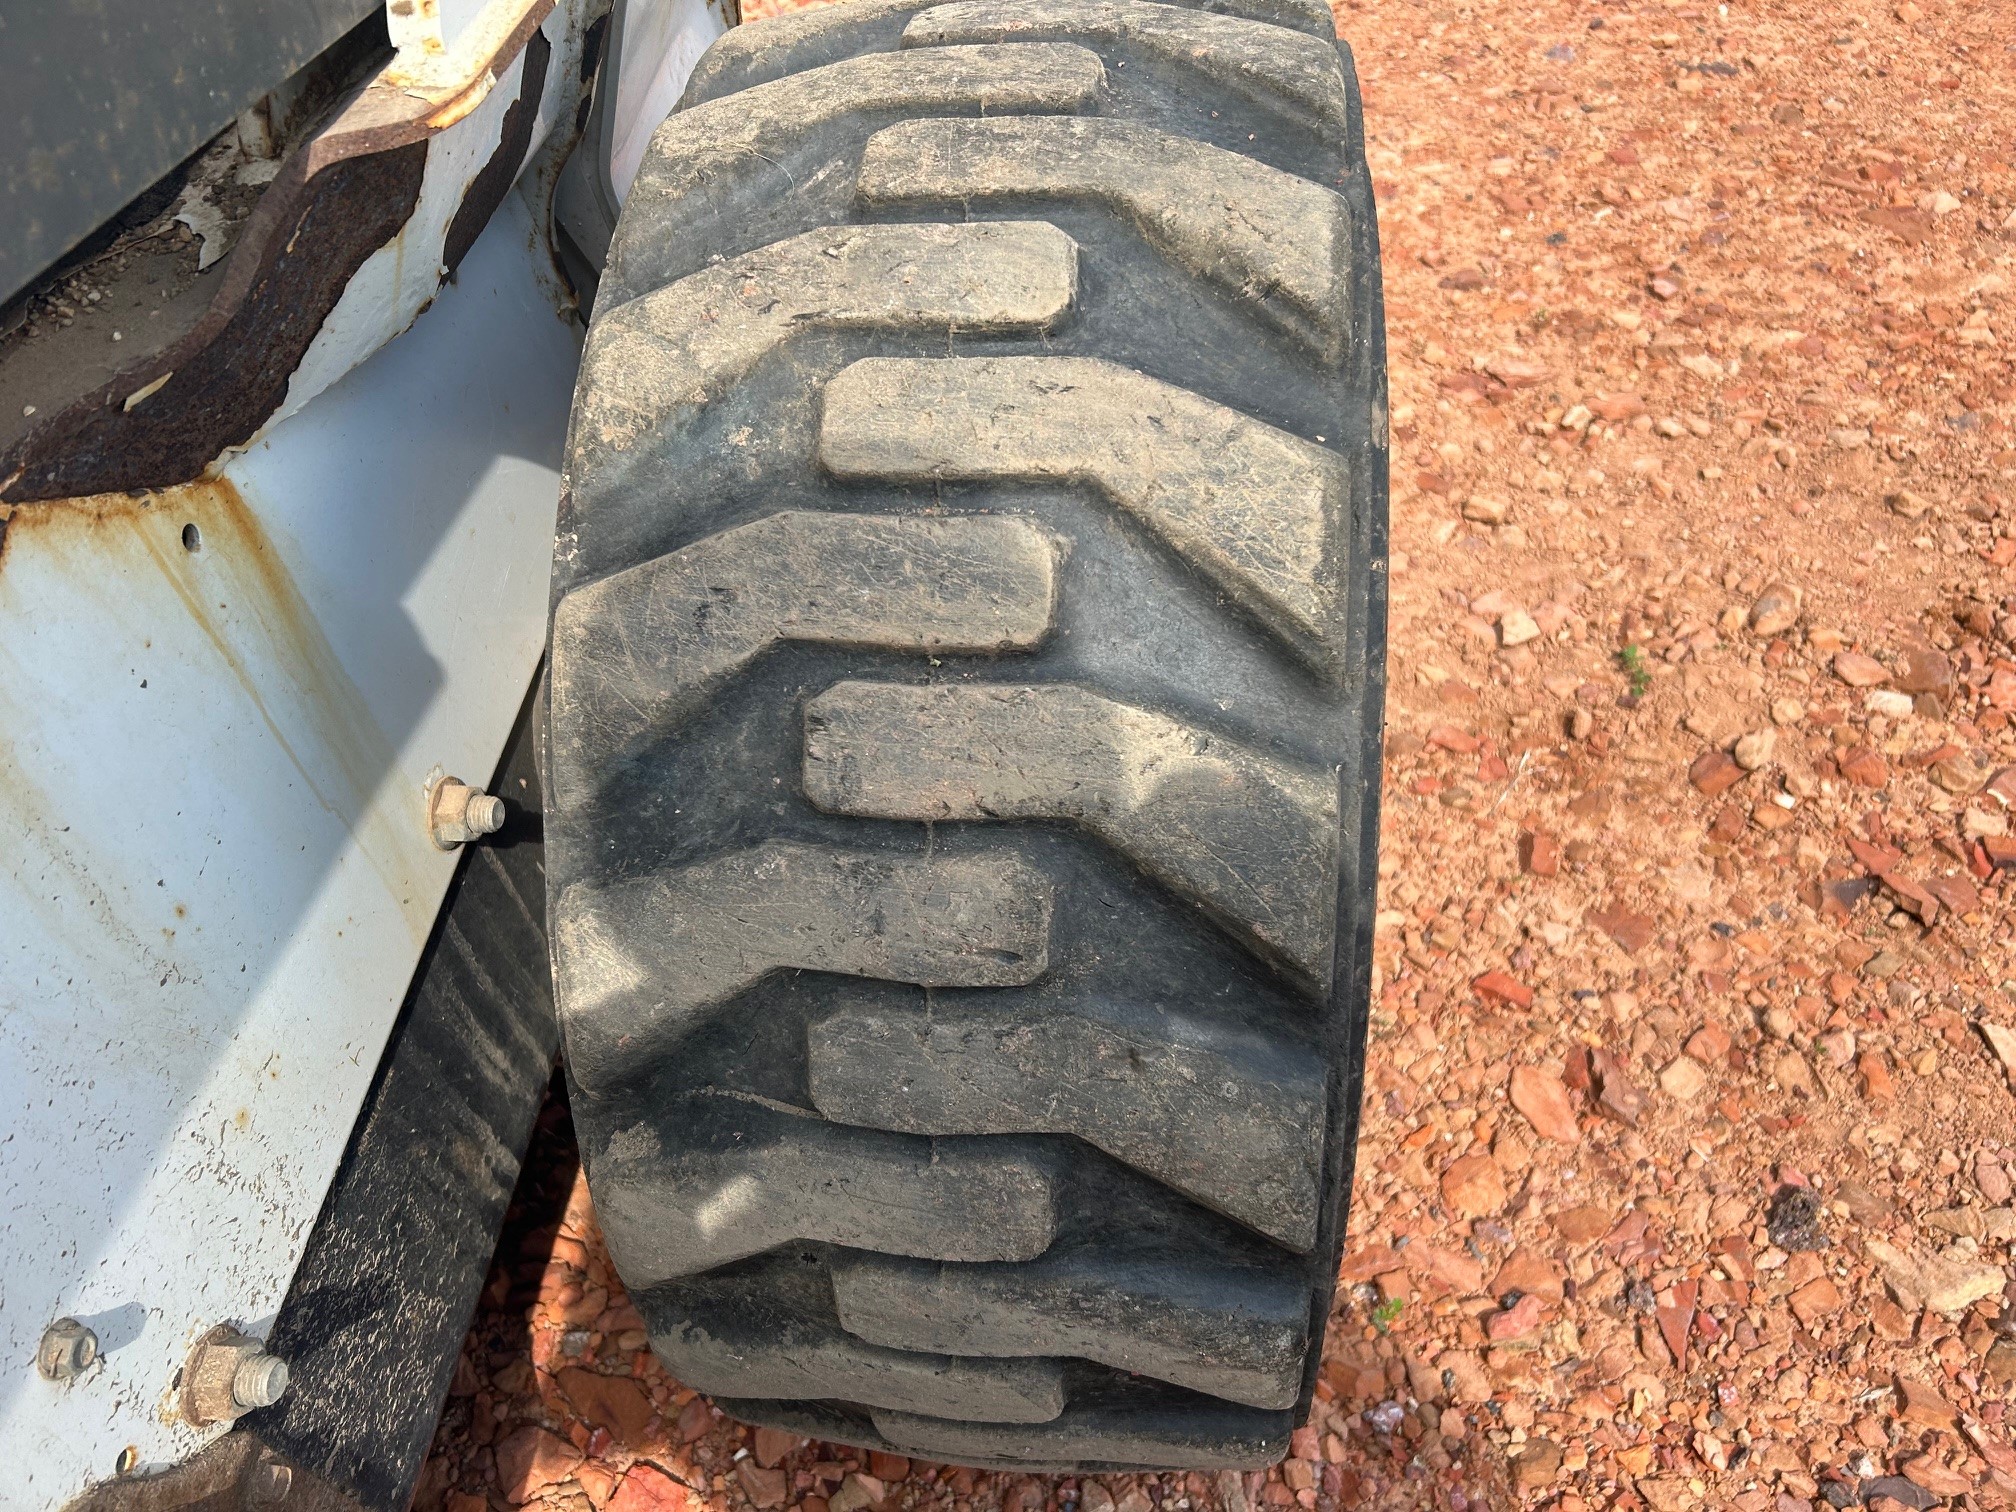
(713, 1179)
(668, 354)
(1253, 839)
(1216, 214)
(690, 171)
(759, 51)
(769, 1329)
(639, 963)
(1208, 1436)
(1232, 1331)
(639, 650)
(1260, 511)
(1250, 59)
(1231, 1118)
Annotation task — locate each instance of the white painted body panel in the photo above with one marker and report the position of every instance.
(215, 874)
(661, 43)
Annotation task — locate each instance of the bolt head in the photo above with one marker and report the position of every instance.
(67, 1350)
(272, 1483)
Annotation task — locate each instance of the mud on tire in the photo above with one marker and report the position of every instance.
(966, 683)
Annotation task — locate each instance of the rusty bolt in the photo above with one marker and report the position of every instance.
(272, 1483)
(67, 1350)
(457, 812)
(229, 1374)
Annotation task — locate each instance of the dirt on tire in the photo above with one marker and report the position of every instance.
(966, 683)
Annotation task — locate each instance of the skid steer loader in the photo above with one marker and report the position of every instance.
(829, 572)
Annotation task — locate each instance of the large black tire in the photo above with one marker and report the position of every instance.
(967, 668)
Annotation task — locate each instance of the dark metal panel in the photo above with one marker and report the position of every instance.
(103, 97)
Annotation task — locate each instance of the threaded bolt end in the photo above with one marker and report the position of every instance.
(260, 1381)
(485, 814)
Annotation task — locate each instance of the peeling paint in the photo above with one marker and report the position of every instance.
(237, 593)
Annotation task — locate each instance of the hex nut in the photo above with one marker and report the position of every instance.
(230, 1374)
(458, 813)
(67, 1350)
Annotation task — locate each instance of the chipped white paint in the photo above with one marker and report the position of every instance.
(218, 714)
(218, 875)
(400, 279)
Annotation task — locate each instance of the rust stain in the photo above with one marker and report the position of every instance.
(209, 548)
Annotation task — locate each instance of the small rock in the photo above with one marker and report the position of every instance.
(1540, 854)
(1794, 1075)
(695, 1420)
(1470, 1385)
(857, 1491)
(1991, 1179)
(1501, 987)
(1618, 1097)
(1527, 1271)
(1979, 824)
(2002, 1041)
(1946, 1285)
(1817, 1299)
(532, 1458)
(1787, 711)
(1865, 768)
(1859, 671)
(1774, 611)
(1539, 1095)
(1516, 1321)
(1908, 505)
(1666, 1493)
(1584, 1224)
(1889, 703)
(1516, 628)
(1963, 1221)
(2001, 1363)
(1094, 1497)
(1633, 931)
(1793, 1220)
(617, 1403)
(1921, 1404)
(1753, 751)
(764, 1488)
(1927, 1471)
(1963, 772)
(1876, 1081)
(1887, 1493)
(1453, 739)
(1683, 1079)
(1838, 1046)
(1538, 1463)
(1925, 671)
(773, 1444)
(1484, 510)
(1714, 772)
(1473, 1186)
